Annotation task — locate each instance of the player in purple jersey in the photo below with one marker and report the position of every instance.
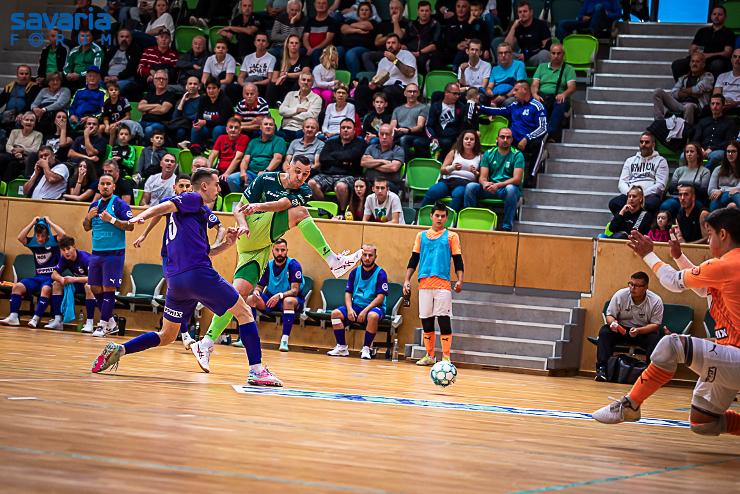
(43, 245)
(76, 262)
(192, 279)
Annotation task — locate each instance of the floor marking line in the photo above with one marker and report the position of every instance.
(192, 470)
(447, 405)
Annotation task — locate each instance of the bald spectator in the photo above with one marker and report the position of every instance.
(409, 124)
(121, 61)
(728, 85)
(552, 85)
(157, 106)
(383, 159)
(159, 185)
(309, 145)
(251, 110)
(689, 95)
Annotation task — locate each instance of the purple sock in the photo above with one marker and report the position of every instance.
(90, 305)
(184, 327)
(41, 306)
(106, 305)
(339, 334)
(56, 305)
(288, 318)
(15, 303)
(142, 342)
(369, 337)
(251, 339)
(99, 299)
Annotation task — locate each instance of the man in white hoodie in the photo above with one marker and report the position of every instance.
(646, 169)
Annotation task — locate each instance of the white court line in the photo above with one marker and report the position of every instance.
(19, 398)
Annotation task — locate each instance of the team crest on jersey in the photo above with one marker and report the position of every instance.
(711, 375)
(298, 275)
(385, 287)
(696, 270)
(212, 218)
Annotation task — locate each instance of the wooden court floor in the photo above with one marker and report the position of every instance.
(159, 425)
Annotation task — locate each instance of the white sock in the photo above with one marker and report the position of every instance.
(35, 318)
(13, 314)
(58, 318)
(331, 259)
(207, 341)
(284, 338)
(256, 367)
(91, 321)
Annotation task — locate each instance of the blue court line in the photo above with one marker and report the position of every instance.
(447, 405)
(625, 477)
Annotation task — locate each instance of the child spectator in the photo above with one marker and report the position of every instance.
(660, 232)
(325, 74)
(115, 109)
(150, 158)
(122, 152)
(376, 117)
(472, 109)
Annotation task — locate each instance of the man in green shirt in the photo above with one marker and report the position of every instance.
(554, 90)
(264, 154)
(84, 55)
(501, 173)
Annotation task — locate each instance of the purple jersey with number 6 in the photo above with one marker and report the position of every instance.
(213, 222)
(186, 234)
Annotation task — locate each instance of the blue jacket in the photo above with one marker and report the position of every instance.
(87, 102)
(612, 7)
(528, 120)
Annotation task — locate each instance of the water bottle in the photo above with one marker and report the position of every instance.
(80, 321)
(348, 216)
(394, 353)
(407, 299)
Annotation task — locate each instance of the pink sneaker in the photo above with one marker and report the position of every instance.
(263, 378)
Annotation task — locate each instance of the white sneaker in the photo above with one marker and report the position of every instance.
(54, 324)
(105, 329)
(617, 412)
(339, 351)
(365, 354)
(202, 354)
(187, 340)
(33, 322)
(344, 262)
(88, 327)
(11, 320)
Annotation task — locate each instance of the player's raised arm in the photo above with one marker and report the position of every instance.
(153, 212)
(23, 235)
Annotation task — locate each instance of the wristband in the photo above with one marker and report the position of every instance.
(282, 295)
(651, 259)
(395, 62)
(112, 220)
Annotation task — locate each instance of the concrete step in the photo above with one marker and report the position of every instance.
(587, 167)
(611, 108)
(647, 54)
(481, 326)
(488, 359)
(654, 41)
(600, 137)
(620, 94)
(589, 151)
(21, 56)
(572, 230)
(633, 81)
(564, 215)
(503, 345)
(521, 314)
(660, 29)
(506, 296)
(577, 182)
(568, 198)
(630, 67)
(610, 123)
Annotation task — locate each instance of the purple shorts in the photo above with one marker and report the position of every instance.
(35, 284)
(201, 284)
(105, 270)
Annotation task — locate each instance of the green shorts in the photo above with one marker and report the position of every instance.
(264, 229)
(251, 265)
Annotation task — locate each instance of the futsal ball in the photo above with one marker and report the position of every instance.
(443, 373)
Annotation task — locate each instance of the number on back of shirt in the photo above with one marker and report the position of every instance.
(171, 229)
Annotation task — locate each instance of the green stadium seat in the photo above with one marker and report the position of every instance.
(409, 215)
(137, 153)
(580, 52)
(186, 161)
(424, 216)
(229, 201)
(135, 113)
(489, 133)
(709, 324)
(15, 187)
(184, 37)
(678, 318)
(192, 4)
(332, 296)
(436, 80)
(421, 174)
(213, 36)
(477, 219)
(3, 188)
(275, 114)
(344, 77)
(732, 21)
(260, 6)
(330, 207)
(138, 194)
(146, 283)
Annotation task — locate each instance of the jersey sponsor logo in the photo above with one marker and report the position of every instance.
(384, 287)
(298, 275)
(43, 257)
(44, 270)
(173, 313)
(213, 218)
(129, 214)
(720, 333)
(711, 375)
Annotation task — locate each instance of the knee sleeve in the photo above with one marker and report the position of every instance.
(427, 324)
(713, 428)
(445, 327)
(668, 353)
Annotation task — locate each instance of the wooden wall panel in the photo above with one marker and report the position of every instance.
(554, 263)
(490, 257)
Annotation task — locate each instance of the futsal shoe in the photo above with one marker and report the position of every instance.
(617, 412)
(365, 353)
(11, 320)
(106, 328)
(263, 378)
(284, 346)
(339, 351)
(426, 361)
(202, 355)
(108, 358)
(344, 262)
(33, 322)
(88, 327)
(187, 340)
(601, 375)
(54, 324)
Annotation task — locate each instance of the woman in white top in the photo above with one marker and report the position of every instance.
(337, 111)
(724, 184)
(161, 19)
(461, 167)
(21, 143)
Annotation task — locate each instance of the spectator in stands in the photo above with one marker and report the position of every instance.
(308, 146)
(159, 57)
(161, 19)
(214, 109)
(364, 303)
(724, 184)
(457, 31)
(229, 150)
(444, 122)
(476, 71)
(58, 138)
(357, 37)
(693, 173)
(633, 317)
(85, 8)
(220, 66)
(83, 185)
(116, 109)
(251, 110)
(90, 146)
(689, 95)
(691, 216)
(120, 63)
(383, 205)
(528, 124)
(340, 163)
(378, 116)
(355, 210)
(649, 170)
(501, 174)
(159, 185)
(336, 112)
(395, 24)
(445, 9)
(49, 178)
(298, 106)
(17, 97)
(85, 54)
(276, 7)
(121, 152)
(409, 124)
(257, 67)
(53, 56)
(124, 187)
(51, 99)
(319, 31)
(532, 36)
(728, 85)
(244, 26)
(552, 85)
(715, 41)
(262, 155)
(594, 17)
(400, 67)
(504, 75)
(156, 106)
(151, 157)
(461, 167)
(87, 101)
(423, 36)
(21, 143)
(288, 23)
(383, 160)
(714, 132)
(632, 216)
(191, 63)
(285, 77)
(186, 111)
(325, 74)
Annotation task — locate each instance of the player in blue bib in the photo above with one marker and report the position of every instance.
(76, 262)
(364, 300)
(192, 279)
(108, 218)
(43, 245)
(280, 289)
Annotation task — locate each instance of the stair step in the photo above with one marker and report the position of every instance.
(563, 215)
(660, 29)
(647, 54)
(480, 326)
(620, 94)
(560, 229)
(600, 137)
(503, 345)
(489, 359)
(653, 41)
(589, 151)
(610, 123)
(585, 167)
(507, 297)
(612, 108)
(577, 182)
(630, 67)
(642, 81)
(493, 311)
(565, 197)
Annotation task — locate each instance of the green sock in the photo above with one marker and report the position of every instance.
(218, 325)
(314, 237)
